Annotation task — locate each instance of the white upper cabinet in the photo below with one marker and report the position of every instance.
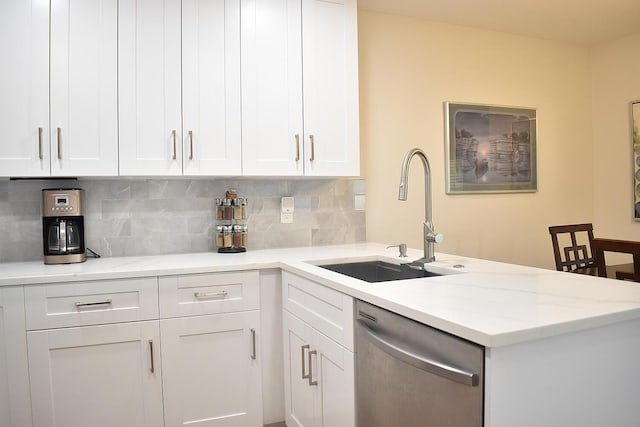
(78, 134)
(330, 84)
(71, 127)
(84, 85)
(24, 88)
(149, 55)
(272, 88)
(211, 87)
(179, 88)
(300, 56)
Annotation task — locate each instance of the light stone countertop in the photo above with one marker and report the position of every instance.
(490, 303)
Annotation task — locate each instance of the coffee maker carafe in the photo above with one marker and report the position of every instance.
(63, 226)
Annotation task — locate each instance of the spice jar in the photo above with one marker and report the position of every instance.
(239, 209)
(228, 229)
(244, 238)
(237, 236)
(227, 209)
(220, 236)
(219, 210)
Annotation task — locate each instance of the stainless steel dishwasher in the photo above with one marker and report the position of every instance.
(411, 375)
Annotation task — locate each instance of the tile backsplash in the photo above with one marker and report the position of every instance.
(125, 217)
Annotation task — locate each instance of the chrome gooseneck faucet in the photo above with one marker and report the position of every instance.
(430, 236)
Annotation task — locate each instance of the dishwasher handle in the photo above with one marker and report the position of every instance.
(419, 361)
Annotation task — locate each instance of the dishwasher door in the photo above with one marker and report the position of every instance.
(411, 375)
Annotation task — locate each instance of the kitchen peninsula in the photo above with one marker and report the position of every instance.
(560, 349)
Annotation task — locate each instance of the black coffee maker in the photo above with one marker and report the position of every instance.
(63, 226)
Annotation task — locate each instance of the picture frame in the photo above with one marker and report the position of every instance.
(635, 155)
(490, 149)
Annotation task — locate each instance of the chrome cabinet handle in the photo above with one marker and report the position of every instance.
(190, 145)
(420, 361)
(40, 143)
(174, 144)
(210, 295)
(59, 134)
(152, 367)
(297, 147)
(313, 148)
(253, 344)
(311, 382)
(80, 305)
(302, 349)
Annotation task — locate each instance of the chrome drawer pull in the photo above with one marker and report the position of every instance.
(40, 144)
(297, 147)
(253, 344)
(313, 148)
(211, 295)
(303, 348)
(174, 144)
(59, 133)
(80, 305)
(311, 382)
(151, 367)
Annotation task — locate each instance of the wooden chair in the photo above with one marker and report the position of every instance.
(600, 246)
(576, 258)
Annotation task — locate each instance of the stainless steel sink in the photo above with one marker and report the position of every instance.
(379, 271)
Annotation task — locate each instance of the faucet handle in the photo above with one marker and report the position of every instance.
(430, 235)
(437, 237)
(402, 247)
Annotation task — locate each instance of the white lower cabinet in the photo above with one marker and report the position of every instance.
(124, 353)
(211, 370)
(210, 328)
(15, 407)
(319, 375)
(102, 376)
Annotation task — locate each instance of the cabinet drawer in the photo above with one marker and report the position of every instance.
(327, 310)
(195, 294)
(91, 303)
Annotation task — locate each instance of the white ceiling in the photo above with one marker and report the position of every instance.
(582, 22)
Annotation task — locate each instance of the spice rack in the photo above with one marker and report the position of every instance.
(231, 229)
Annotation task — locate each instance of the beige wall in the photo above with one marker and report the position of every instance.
(616, 82)
(408, 69)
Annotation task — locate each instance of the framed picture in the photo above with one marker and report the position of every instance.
(635, 132)
(490, 149)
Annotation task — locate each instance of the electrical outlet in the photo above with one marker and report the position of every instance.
(286, 218)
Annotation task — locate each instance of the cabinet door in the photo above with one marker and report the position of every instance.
(211, 369)
(102, 376)
(319, 377)
(301, 396)
(149, 61)
(330, 84)
(24, 88)
(84, 85)
(272, 136)
(211, 87)
(15, 405)
(336, 379)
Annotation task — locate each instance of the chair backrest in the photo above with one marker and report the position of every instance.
(578, 255)
(600, 246)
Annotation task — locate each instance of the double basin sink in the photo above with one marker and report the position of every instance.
(380, 271)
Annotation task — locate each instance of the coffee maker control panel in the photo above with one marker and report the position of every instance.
(61, 203)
